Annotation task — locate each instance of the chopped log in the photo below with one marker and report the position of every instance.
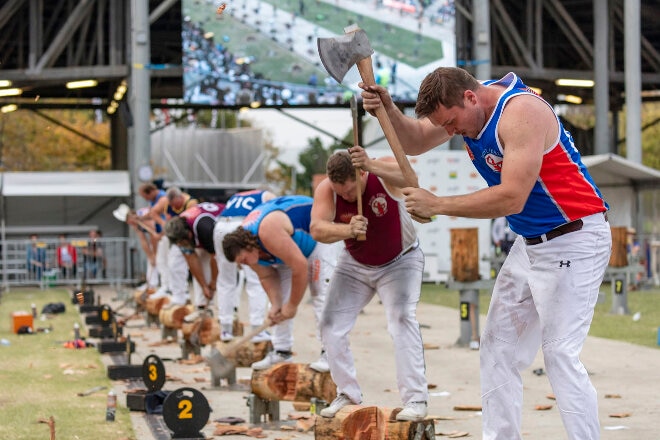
(371, 422)
(293, 382)
(465, 254)
(351, 422)
(207, 329)
(247, 354)
(172, 316)
(405, 430)
(619, 255)
(154, 305)
(237, 327)
(141, 296)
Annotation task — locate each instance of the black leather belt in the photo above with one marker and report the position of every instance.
(559, 230)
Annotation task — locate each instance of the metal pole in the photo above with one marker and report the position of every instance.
(481, 38)
(619, 295)
(139, 92)
(602, 143)
(633, 79)
(469, 313)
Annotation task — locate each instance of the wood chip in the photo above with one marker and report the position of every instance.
(620, 415)
(298, 415)
(432, 386)
(550, 396)
(467, 408)
(453, 434)
(612, 396)
(431, 347)
(301, 406)
(543, 407)
(305, 425)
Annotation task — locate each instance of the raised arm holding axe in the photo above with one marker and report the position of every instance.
(338, 55)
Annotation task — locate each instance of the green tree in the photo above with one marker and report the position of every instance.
(30, 142)
(313, 160)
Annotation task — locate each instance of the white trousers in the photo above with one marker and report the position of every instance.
(199, 300)
(152, 277)
(173, 270)
(230, 281)
(544, 296)
(352, 287)
(320, 265)
(162, 249)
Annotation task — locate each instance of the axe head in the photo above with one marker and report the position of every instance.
(221, 367)
(339, 54)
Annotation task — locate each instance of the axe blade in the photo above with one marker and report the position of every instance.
(339, 54)
(220, 365)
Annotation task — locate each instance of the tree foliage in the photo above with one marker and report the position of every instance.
(30, 142)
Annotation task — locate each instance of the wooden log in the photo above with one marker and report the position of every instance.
(172, 316)
(154, 305)
(141, 296)
(465, 254)
(373, 423)
(293, 382)
(619, 256)
(237, 327)
(397, 430)
(206, 327)
(246, 355)
(350, 423)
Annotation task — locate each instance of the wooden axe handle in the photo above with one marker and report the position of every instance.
(146, 227)
(366, 70)
(236, 343)
(358, 178)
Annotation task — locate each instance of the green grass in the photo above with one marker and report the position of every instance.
(283, 65)
(39, 378)
(393, 41)
(604, 325)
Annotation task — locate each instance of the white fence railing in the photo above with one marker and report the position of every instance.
(103, 261)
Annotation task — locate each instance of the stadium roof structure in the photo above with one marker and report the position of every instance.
(47, 43)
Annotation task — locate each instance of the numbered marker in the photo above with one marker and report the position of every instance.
(185, 412)
(465, 311)
(105, 314)
(153, 373)
(618, 287)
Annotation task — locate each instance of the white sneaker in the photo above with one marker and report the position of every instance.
(474, 345)
(262, 336)
(160, 293)
(340, 401)
(272, 358)
(321, 365)
(226, 336)
(412, 412)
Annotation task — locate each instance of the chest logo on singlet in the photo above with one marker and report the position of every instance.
(469, 152)
(494, 162)
(378, 204)
(251, 217)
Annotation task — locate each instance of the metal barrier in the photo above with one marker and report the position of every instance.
(102, 261)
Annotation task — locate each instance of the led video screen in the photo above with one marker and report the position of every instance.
(263, 53)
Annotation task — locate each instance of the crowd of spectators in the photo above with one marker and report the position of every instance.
(214, 75)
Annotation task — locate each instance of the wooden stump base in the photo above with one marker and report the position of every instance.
(247, 354)
(373, 423)
(293, 382)
(172, 316)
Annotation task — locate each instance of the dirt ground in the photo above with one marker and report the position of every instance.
(624, 375)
